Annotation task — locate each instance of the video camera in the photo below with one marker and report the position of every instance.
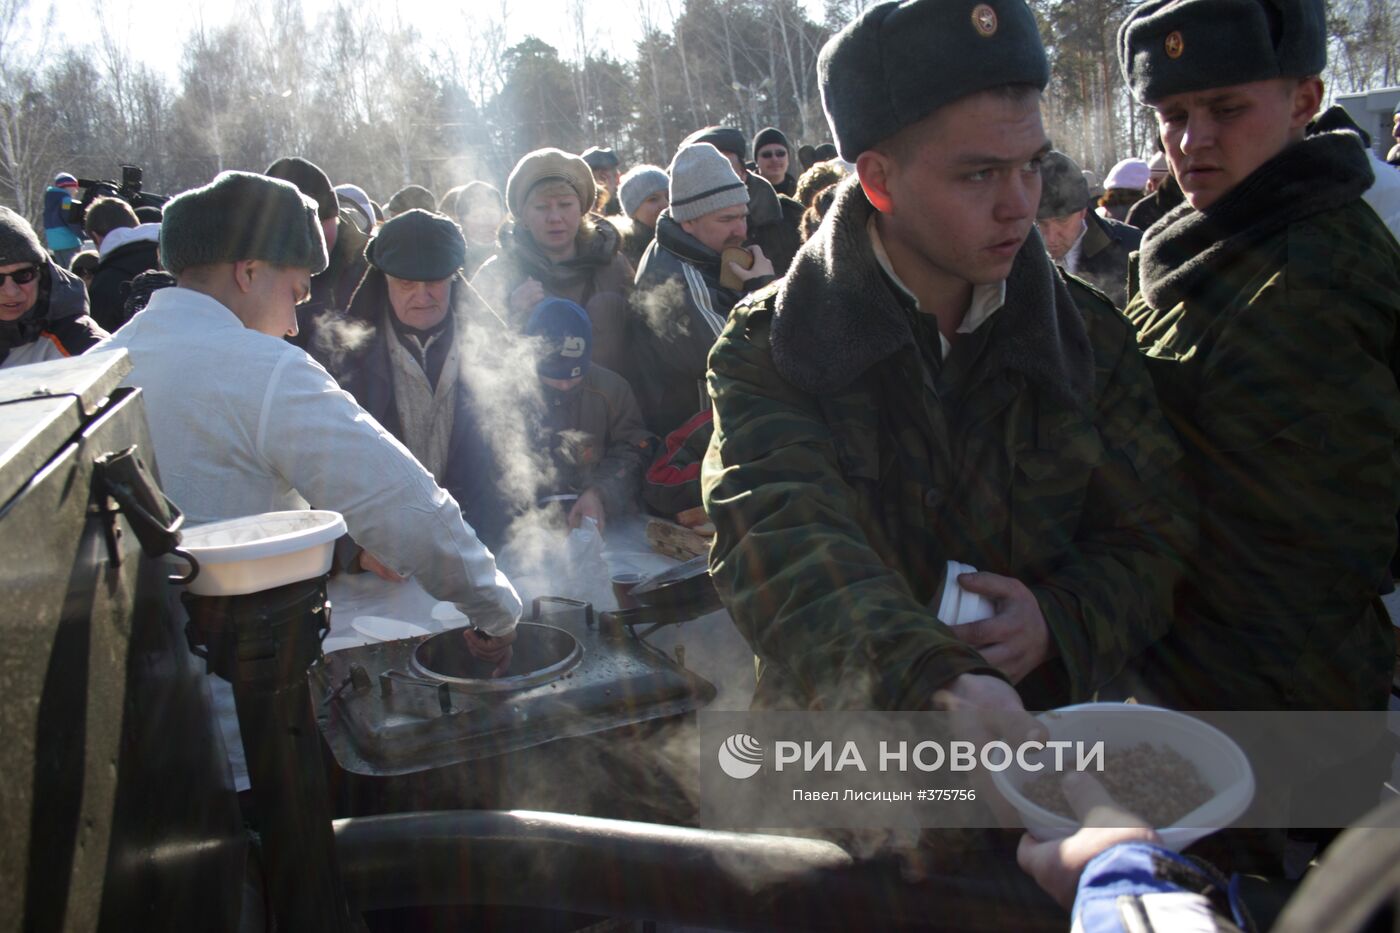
(129, 190)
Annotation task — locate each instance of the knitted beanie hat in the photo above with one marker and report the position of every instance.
(640, 183)
(310, 181)
(567, 345)
(723, 138)
(241, 216)
(18, 242)
(703, 181)
(768, 135)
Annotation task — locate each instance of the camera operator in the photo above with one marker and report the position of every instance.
(126, 248)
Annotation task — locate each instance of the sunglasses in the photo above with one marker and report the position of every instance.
(21, 276)
(772, 153)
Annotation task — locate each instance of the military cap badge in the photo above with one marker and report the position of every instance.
(984, 19)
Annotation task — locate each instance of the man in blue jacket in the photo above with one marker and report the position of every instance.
(64, 236)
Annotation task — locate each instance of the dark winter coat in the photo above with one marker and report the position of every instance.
(333, 287)
(57, 326)
(1102, 260)
(788, 186)
(636, 237)
(366, 372)
(1270, 324)
(844, 474)
(597, 439)
(599, 279)
(678, 309)
(111, 284)
(1155, 206)
(775, 223)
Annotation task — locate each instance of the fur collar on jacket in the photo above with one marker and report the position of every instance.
(1186, 248)
(837, 315)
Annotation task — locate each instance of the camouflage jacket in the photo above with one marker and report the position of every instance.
(840, 481)
(1270, 324)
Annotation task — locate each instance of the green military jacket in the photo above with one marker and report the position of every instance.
(840, 479)
(1270, 324)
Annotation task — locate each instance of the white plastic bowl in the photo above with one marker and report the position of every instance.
(1221, 763)
(259, 552)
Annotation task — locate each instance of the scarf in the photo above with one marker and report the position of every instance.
(1181, 251)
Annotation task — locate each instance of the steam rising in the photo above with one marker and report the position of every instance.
(662, 309)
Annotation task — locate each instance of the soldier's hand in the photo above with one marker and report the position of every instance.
(985, 708)
(1016, 639)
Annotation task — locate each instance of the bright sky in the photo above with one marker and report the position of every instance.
(154, 30)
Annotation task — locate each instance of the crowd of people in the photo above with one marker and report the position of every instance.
(1156, 416)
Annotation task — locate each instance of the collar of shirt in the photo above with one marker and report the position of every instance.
(986, 299)
(187, 300)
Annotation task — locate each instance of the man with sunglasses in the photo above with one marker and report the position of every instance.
(772, 156)
(43, 308)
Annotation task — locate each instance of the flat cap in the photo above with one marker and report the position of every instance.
(598, 157)
(240, 216)
(418, 245)
(899, 62)
(1168, 47)
(1063, 188)
(543, 164)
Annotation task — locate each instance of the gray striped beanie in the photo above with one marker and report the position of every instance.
(703, 181)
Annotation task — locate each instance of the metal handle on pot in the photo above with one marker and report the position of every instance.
(388, 678)
(123, 476)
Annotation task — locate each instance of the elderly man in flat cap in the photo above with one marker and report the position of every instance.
(923, 391)
(1091, 247)
(412, 367)
(1267, 308)
(244, 422)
